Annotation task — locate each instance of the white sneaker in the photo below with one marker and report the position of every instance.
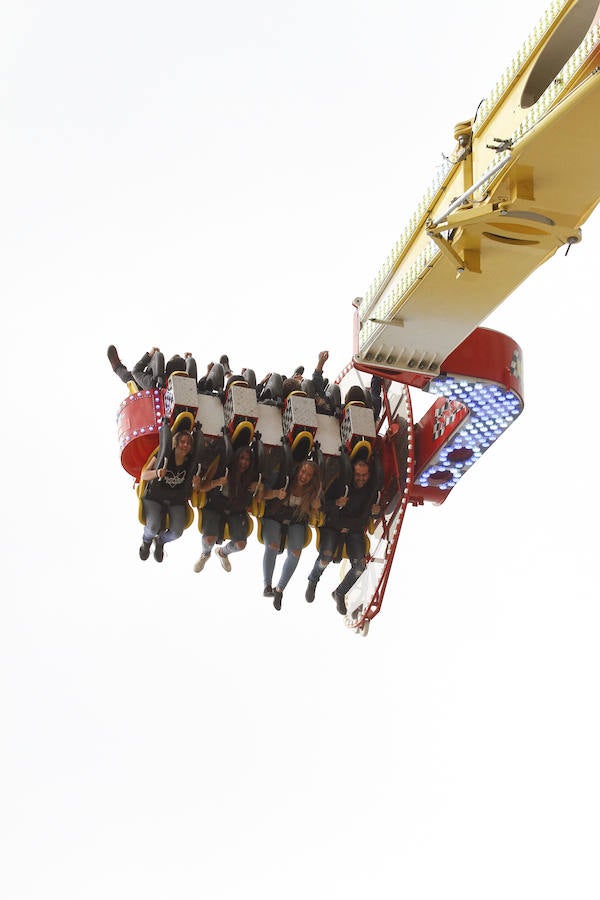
(198, 566)
(224, 560)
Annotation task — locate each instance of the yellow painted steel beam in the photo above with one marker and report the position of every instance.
(522, 180)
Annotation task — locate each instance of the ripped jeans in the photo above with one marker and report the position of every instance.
(271, 533)
(355, 548)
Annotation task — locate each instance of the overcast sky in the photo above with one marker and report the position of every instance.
(227, 178)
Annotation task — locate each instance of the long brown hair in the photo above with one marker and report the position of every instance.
(240, 481)
(308, 493)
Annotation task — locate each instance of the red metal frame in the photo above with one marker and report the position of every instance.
(395, 492)
(485, 355)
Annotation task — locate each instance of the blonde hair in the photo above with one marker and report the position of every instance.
(308, 493)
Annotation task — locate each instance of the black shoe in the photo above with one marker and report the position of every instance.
(145, 550)
(113, 357)
(340, 602)
(277, 596)
(268, 591)
(159, 550)
(224, 360)
(310, 592)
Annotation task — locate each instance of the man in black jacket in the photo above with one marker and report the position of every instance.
(347, 512)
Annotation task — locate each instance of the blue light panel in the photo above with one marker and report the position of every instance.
(492, 409)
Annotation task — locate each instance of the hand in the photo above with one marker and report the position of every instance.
(341, 502)
(220, 482)
(160, 473)
(323, 357)
(195, 483)
(281, 493)
(375, 509)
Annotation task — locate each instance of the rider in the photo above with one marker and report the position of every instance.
(326, 396)
(347, 512)
(168, 488)
(227, 502)
(287, 513)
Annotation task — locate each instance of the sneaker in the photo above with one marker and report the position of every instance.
(268, 591)
(224, 360)
(159, 550)
(224, 560)
(113, 357)
(199, 565)
(310, 591)
(277, 597)
(145, 550)
(340, 602)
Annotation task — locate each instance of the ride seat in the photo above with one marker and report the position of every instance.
(241, 412)
(357, 430)
(299, 423)
(181, 395)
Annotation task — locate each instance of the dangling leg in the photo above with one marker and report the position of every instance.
(289, 567)
(153, 513)
(238, 529)
(176, 524)
(271, 534)
(225, 552)
(208, 542)
(211, 525)
(174, 531)
(327, 545)
(120, 370)
(355, 548)
(295, 543)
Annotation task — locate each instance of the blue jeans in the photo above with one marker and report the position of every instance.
(155, 512)
(271, 532)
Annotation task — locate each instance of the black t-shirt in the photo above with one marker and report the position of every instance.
(172, 488)
(232, 498)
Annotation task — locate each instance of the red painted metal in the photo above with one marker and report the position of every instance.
(138, 421)
(397, 480)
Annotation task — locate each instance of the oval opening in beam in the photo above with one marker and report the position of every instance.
(562, 44)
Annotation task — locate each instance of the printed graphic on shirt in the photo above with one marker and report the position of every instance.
(174, 479)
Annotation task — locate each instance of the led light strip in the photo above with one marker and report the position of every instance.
(492, 410)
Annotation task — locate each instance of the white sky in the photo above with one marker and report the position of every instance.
(226, 179)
